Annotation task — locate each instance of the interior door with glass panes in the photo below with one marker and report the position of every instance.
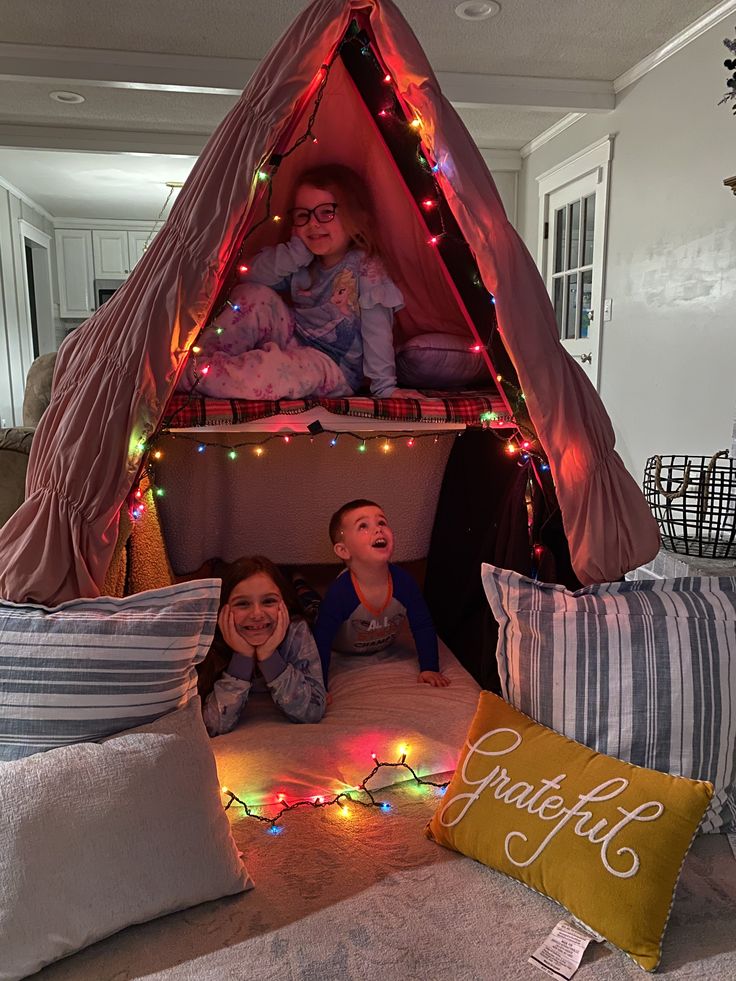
(574, 272)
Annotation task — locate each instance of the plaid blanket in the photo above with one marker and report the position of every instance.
(185, 411)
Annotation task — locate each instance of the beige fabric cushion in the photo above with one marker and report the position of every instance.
(97, 836)
(37, 394)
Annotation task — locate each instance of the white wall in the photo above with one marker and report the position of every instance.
(668, 366)
(16, 351)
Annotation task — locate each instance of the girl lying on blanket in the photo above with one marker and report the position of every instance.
(333, 325)
(262, 643)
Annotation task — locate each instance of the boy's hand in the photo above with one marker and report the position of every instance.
(230, 634)
(266, 649)
(434, 678)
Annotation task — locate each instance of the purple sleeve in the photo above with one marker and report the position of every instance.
(407, 592)
(379, 359)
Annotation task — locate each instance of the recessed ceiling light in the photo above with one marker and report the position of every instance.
(68, 98)
(470, 10)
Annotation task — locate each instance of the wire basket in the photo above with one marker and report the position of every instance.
(693, 499)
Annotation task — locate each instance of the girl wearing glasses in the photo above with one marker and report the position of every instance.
(314, 315)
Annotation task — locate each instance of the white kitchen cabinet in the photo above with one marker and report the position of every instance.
(74, 262)
(111, 255)
(136, 243)
(117, 251)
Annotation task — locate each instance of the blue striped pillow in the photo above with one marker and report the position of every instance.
(92, 667)
(644, 671)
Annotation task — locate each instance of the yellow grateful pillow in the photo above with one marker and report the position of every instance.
(604, 838)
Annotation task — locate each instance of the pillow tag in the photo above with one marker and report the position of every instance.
(561, 953)
(732, 843)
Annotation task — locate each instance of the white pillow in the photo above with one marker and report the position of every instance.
(95, 837)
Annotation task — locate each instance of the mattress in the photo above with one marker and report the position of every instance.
(378, 707)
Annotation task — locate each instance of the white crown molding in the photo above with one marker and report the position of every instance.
(24, 197)
(100, 140)
(675, 44)
(501, 159)
(549, 134)
(67, 67)
(107, 224)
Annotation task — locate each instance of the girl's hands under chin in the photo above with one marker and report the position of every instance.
(229, 631)
(267, 648)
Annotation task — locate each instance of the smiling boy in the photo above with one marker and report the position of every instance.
(365, 607)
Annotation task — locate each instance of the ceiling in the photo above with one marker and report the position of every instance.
(157, 78)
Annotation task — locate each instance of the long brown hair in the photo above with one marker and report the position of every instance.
(219, 654)
(352, 198)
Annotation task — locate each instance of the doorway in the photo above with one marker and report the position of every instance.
(37, 294)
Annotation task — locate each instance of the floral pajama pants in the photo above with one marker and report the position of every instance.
(258, 356)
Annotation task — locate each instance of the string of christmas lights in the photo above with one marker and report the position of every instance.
(342, 799)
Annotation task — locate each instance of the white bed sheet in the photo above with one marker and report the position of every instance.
(378, 705)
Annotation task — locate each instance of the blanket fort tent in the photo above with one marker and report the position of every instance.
(116, 373)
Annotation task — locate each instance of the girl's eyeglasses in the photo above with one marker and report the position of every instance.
(323, 213)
